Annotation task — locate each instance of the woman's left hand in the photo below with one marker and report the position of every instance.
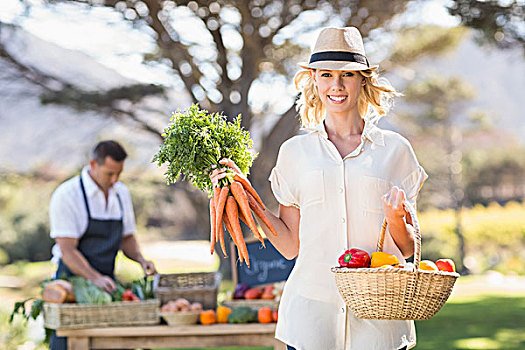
(393, 204)
(220, 173)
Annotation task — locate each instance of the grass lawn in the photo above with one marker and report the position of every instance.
(482, 321)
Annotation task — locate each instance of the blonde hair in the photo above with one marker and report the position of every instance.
(377, 93)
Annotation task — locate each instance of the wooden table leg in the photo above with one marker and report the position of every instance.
(77, 343)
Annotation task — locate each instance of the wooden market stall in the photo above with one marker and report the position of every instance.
(125, 325)
(184, 336)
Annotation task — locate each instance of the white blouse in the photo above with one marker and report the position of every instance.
(340, 205)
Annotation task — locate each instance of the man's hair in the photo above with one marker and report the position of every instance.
(110, 149)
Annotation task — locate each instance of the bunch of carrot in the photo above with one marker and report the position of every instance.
(231, 203)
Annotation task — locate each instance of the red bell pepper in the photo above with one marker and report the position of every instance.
(354, 258)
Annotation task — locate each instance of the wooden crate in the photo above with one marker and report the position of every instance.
(72, 316)
(201, 287)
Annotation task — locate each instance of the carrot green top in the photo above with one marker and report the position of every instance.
(196, 140)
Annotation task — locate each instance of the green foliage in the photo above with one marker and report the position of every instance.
(494, 237)
(495, 174)
(195, 141)
(24, 228)
(498, 22)
(417, 42)
(439, 94)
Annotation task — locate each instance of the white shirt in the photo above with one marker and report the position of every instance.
(340, 206)
(68, 214)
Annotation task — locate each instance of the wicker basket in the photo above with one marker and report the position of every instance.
(180, 318)
(201, 287)
(72, 316)
(395, 293)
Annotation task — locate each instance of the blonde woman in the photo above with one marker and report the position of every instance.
(334, 185)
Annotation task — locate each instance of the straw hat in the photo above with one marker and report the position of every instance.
(339, 49)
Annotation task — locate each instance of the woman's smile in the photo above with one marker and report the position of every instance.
(337, 99)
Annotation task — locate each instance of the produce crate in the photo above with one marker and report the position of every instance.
(72, 316)
(201, 287)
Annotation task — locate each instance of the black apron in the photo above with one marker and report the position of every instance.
(99, 244)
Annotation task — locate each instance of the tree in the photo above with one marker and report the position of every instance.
(499, 22)
(240, 43)
(243, 43)
(495, 174)
(443, 101)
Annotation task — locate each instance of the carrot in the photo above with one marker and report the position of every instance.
(229, 227)
(216, 195)
(259, 212)
(230, 230)
(212, 224)
(242, 200)
(243, 219)
(248, 187)
(233, 216)
(221, 202)
(220, 205)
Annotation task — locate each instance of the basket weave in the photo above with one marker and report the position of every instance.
(201, 287)
(180, 318)
(73, 316)
(395, 293)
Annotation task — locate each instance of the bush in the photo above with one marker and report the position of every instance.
(494, 236)
(24, 223)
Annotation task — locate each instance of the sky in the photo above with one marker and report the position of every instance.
(114, 42)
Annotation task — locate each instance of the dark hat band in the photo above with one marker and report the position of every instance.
(339, 56)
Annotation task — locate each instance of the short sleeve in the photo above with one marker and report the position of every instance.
(281, 178)
(63, 217)
(413, 183)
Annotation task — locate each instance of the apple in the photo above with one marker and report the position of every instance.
(446, 265)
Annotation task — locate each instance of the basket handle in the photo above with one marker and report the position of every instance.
(417, 239)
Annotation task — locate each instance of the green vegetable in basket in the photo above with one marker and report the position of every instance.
(242, 314)
(196, 140)
(117, 293)
(88, 293)
(143, 288)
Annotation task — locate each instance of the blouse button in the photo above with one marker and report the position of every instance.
(343, 220)
(340, 190)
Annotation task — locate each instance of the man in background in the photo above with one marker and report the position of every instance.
(91, 219)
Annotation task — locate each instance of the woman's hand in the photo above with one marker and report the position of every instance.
(393, 206)
(400, 228)
(220, 173)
